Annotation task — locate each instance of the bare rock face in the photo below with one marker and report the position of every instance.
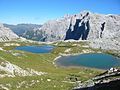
(6, 34)
(54, 30)
(83, 26)
(103, 31)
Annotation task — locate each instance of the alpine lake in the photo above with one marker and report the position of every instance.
(94, 60)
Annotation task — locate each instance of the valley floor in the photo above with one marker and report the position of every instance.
(28, 71)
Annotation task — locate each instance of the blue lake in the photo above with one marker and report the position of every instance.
(36, 49)
(100, 61)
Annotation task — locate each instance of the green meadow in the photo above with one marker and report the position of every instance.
(56, 78)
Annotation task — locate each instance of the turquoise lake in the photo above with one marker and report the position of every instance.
(100, 61)
(36, 49)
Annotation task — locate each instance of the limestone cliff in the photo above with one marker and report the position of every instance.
(103, 31)
(83, 26)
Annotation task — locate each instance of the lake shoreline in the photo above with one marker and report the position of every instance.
(79, 66)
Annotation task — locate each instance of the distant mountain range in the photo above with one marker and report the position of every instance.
(97, 28)
(24, 30)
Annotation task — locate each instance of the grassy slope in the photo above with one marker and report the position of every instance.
(59, 76)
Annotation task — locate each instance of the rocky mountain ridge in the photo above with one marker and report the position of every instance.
(6, 34)
(83, 26)
(103, 31)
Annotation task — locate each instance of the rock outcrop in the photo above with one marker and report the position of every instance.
(109, 80)
(8, 69)
(6, 34)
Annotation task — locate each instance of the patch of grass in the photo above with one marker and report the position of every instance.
(2, 72)
(111, 52)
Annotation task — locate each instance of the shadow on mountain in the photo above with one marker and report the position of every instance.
(79, 31)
